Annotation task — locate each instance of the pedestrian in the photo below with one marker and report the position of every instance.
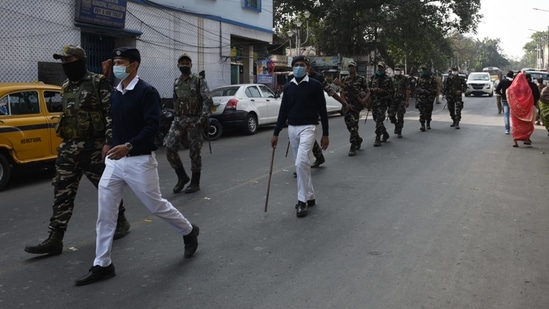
(302, 104)
(401, 100)
(131, 162)
(356, 93)
(522, 104)
(498, 96)
(539, 83)
(317, 150)
(438, 79)
(85, 129)
(543, 104)
(453, 92)
(426, 90)
(501, 89)
(382, 93)
(192, 103)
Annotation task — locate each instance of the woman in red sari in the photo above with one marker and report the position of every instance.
(521, 103)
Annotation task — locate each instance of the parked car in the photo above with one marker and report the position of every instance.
(249, 106)
(29, 113)
(479, 83)
(539, 74)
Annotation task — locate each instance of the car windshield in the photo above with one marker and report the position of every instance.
(483, 77)
(224, 92)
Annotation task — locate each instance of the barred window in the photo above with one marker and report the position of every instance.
(252, 5)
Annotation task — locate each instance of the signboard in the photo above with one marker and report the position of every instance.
(109, 13)
(327, 61)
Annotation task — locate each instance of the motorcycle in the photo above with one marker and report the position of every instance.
(212, 132)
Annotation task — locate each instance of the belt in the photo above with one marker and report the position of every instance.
(146, 153)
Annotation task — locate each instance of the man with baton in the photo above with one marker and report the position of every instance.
(302, 103)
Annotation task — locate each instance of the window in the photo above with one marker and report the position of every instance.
(267, 93)
(253, 92)
(53, 101)
(22, 103)
(252, 5)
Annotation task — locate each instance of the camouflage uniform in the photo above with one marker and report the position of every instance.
(399, 103)
(426, 91)
(453, 84)
(353, 86)
(192, 104)
(379, 103)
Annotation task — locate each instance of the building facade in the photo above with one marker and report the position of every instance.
(222, 37)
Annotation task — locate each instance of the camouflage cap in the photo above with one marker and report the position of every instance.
(454, 68)
(352, 64)
(381, 64)
(184, 56)
(399, 66)
(71, 50)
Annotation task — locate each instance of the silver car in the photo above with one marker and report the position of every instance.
(479, 83)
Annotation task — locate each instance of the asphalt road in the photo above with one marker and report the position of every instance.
(442, 219)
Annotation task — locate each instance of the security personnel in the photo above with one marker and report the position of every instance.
(401, 100)
(356, 92)
(454, 86)
(382, 90)
(85, 128)
(426, 91)
(192, 102)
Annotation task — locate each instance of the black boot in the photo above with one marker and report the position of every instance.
(352, 151)
(385, 137)
(453, 124)
(53, 245)
(122, 226)
(428, 125)
(318, 161)
(195, 183)
(191, 241)
(457, 125)
(377, 142)
(182, 179)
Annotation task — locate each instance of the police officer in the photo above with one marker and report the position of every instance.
(401, 100)
(356, 92)
(192, 103)
(85, 128)
(454, 86)
(426, 91)
(382, 90)
(317, 150)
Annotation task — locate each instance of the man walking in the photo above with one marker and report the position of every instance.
(382, 90)
(501, 89)
(356, 94)
(192, 103)
(454, 87)
(85, 128)
(131, 162)
(426, 91)
(401, 100)
(303, 102)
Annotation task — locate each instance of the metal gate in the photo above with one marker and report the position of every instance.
(98, 48)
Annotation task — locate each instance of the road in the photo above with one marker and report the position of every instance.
(441, 219)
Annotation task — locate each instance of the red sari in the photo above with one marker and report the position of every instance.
(521, 103)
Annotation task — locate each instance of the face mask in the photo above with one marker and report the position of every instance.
(380, 73)
(119, 72)
(75, 70)
(185, 70)
(397, 72)
(299, 72)
(454, 73)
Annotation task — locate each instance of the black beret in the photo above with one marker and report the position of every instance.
(300, 58)
(130, 53)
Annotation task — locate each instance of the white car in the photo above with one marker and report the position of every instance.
(249, 106)
(479, 83)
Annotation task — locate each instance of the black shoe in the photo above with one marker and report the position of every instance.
(385, 137)
(359, 143)
(377, 142)
(97, 273)
(428, 126)
(191, 241)
(453, 124)
(181, 182)
(301, 209)
(399, 135)
(457, 125)
(311, 203)
(53, 245)
(352, 151)
(192, 188)
(317, 162)
(122, 228)
(295, 175)
(422, 128)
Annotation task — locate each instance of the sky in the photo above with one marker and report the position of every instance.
(511, 21)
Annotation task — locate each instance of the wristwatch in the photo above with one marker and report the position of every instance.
(129, 146)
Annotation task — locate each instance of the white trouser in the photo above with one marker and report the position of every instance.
(302, 139)
(141, 175)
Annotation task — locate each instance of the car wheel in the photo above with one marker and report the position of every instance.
(214, 130)
(5, 171)
(491, 94)
(251, 124)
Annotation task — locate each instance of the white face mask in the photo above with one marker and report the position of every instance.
(454, 73)
(397, 72)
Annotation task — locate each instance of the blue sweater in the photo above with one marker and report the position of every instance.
(136, 117)
(302, 104)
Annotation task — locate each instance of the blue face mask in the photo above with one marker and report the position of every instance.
(119, 72)
(299, 72)
(380, 73)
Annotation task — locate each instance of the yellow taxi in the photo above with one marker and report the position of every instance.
(29, 113)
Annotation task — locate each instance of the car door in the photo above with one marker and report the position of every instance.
(25, 127)
(258, 104)
(273, 104)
